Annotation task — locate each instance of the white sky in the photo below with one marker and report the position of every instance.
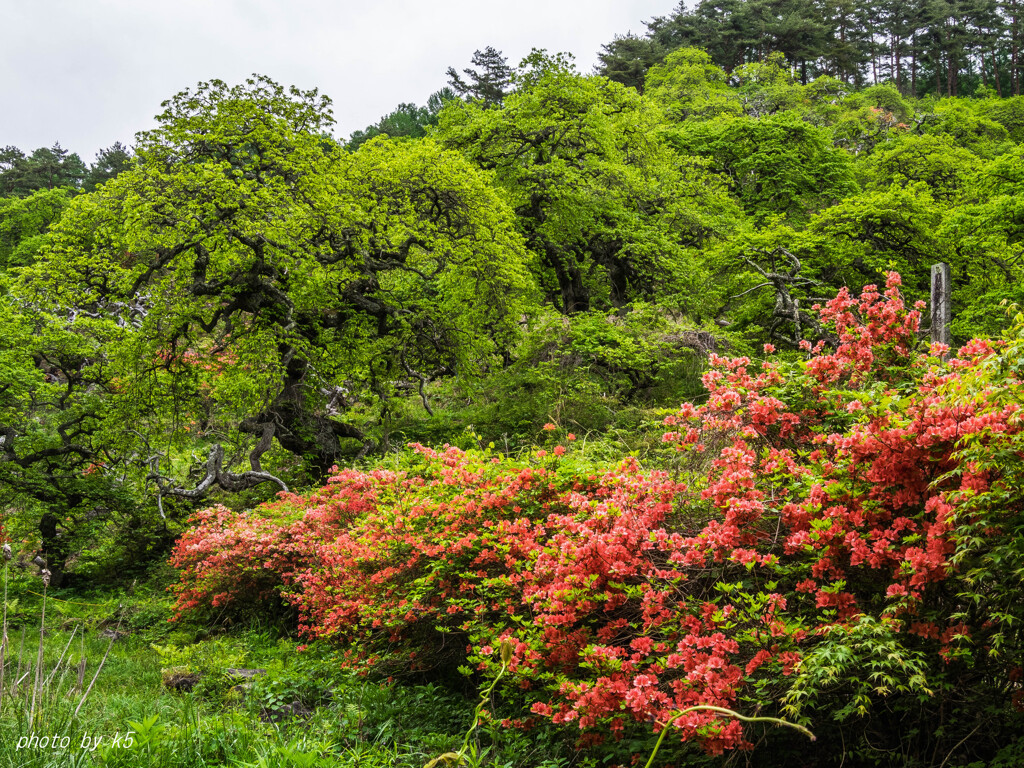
(88, 73)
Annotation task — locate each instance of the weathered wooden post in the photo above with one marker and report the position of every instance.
(940, 306)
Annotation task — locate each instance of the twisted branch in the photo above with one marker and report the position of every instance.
(216, 475)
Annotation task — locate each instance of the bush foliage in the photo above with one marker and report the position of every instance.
(831, 535)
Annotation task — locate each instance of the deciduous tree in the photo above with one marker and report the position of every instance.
(274, 283)
(610, 212)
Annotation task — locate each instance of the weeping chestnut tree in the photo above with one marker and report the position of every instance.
(267, 284)
(611, 213)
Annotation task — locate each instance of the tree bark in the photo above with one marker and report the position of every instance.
(53, 548)
(913, 66)
(1014, 49)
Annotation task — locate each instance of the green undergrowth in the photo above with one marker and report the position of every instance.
(596, 374)
(300, 710)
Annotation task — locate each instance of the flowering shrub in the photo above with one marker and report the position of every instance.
(825, 507)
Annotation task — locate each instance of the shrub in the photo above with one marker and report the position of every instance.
(819, 539)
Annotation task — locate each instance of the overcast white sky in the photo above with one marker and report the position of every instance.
(88, 73)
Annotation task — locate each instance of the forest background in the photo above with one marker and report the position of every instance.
(416, 397)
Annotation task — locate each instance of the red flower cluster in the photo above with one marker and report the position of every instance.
(825, 486)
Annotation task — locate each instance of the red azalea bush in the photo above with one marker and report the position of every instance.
(815, 512)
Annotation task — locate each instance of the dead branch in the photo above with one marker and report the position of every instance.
(216, 476)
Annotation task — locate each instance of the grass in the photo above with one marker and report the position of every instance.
(303, 711)
(75, 697)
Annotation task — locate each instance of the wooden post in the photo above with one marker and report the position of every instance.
(941, 291)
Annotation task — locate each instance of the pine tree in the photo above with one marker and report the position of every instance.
(849, 48)
(627, 58)
(109, 163)
(490, 83)
(45, 168)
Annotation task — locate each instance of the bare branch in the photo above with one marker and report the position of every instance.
(216, 475)
(422, 380)
(787, 307)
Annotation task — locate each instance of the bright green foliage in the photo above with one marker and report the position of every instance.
(876, 231)
(947, 169)
(688, 84)
(864, 235)
(989, 521)
(767, 86)
(887, 98)
(272, 278)
(23, 221)
(854, 665)
(1005, 174)
(1009, 113)
(926, 200)
(957, 119)
(987, 237)
(60, 479)
(609, 211)
(777, 164)
(18, 374)
(862, 124)
(824, 100)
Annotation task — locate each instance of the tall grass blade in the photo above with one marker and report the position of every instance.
(57, 666)
(3, 637)
(98, 669)
(37, 689)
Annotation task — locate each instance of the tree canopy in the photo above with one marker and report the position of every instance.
(610, 212)
(933, 46)
(523, 279)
